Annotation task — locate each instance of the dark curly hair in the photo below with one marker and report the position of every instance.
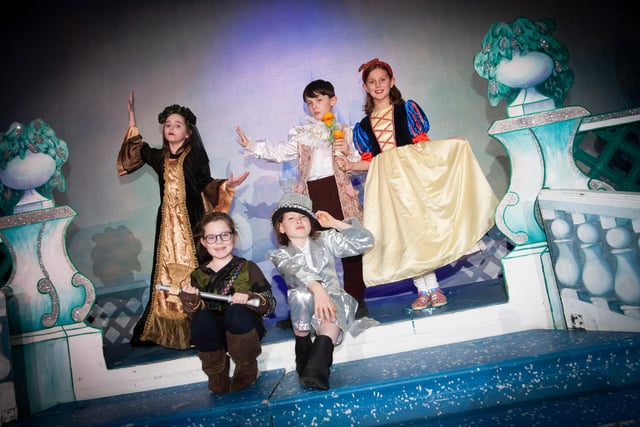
(193, 140)
(178, 109)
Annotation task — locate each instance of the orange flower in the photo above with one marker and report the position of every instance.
(328, 118)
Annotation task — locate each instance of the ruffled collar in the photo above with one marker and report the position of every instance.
(313, 133)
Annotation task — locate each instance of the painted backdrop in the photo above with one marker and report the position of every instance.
(242, 62)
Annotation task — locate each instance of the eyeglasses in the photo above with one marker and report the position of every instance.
(212, 238)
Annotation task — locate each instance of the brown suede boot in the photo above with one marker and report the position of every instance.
(216, 365)
(244, 350)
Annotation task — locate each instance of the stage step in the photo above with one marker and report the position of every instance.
(535, 377)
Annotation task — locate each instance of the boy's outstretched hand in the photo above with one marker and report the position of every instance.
(244, 141)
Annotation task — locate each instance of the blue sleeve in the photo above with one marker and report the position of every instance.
(416, 119)
(361, 139)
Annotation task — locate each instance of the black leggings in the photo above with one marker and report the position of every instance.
(208, 328)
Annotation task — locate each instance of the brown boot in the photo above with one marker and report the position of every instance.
(244, 350)
(216, 365)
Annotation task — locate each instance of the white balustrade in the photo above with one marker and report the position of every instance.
(593, 240)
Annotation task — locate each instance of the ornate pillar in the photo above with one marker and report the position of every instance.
(8, 406)
(540, 148)
(48, 303)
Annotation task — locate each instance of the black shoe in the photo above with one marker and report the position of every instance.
(362, 310)
(284, 324)
(316, 374)
(303, 350)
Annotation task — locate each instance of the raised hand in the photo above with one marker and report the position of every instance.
(325, 219)
(244, 141)
(131, 110)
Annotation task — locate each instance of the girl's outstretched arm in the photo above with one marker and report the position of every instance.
(131, 109)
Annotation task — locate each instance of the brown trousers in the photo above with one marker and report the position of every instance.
(324, 196)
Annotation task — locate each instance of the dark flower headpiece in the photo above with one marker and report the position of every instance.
(374, 62)
(177, 109)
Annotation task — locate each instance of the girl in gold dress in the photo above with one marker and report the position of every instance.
(187, 191)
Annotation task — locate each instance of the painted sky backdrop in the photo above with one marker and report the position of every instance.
(246, 62)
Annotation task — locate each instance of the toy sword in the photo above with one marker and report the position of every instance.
(255, 302)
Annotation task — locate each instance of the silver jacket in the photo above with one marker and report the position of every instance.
(291, 264)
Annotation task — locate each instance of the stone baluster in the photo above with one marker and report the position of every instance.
(627, 272)
(597, 275)
(605, 226)
(566, 266)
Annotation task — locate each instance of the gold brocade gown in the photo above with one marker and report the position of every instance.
(167, 324)
(188, 192)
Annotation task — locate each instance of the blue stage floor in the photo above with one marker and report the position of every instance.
(530, 378)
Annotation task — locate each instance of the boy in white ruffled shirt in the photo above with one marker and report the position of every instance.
(316, 144)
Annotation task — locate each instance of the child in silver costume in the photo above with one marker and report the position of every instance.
(317, 302)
